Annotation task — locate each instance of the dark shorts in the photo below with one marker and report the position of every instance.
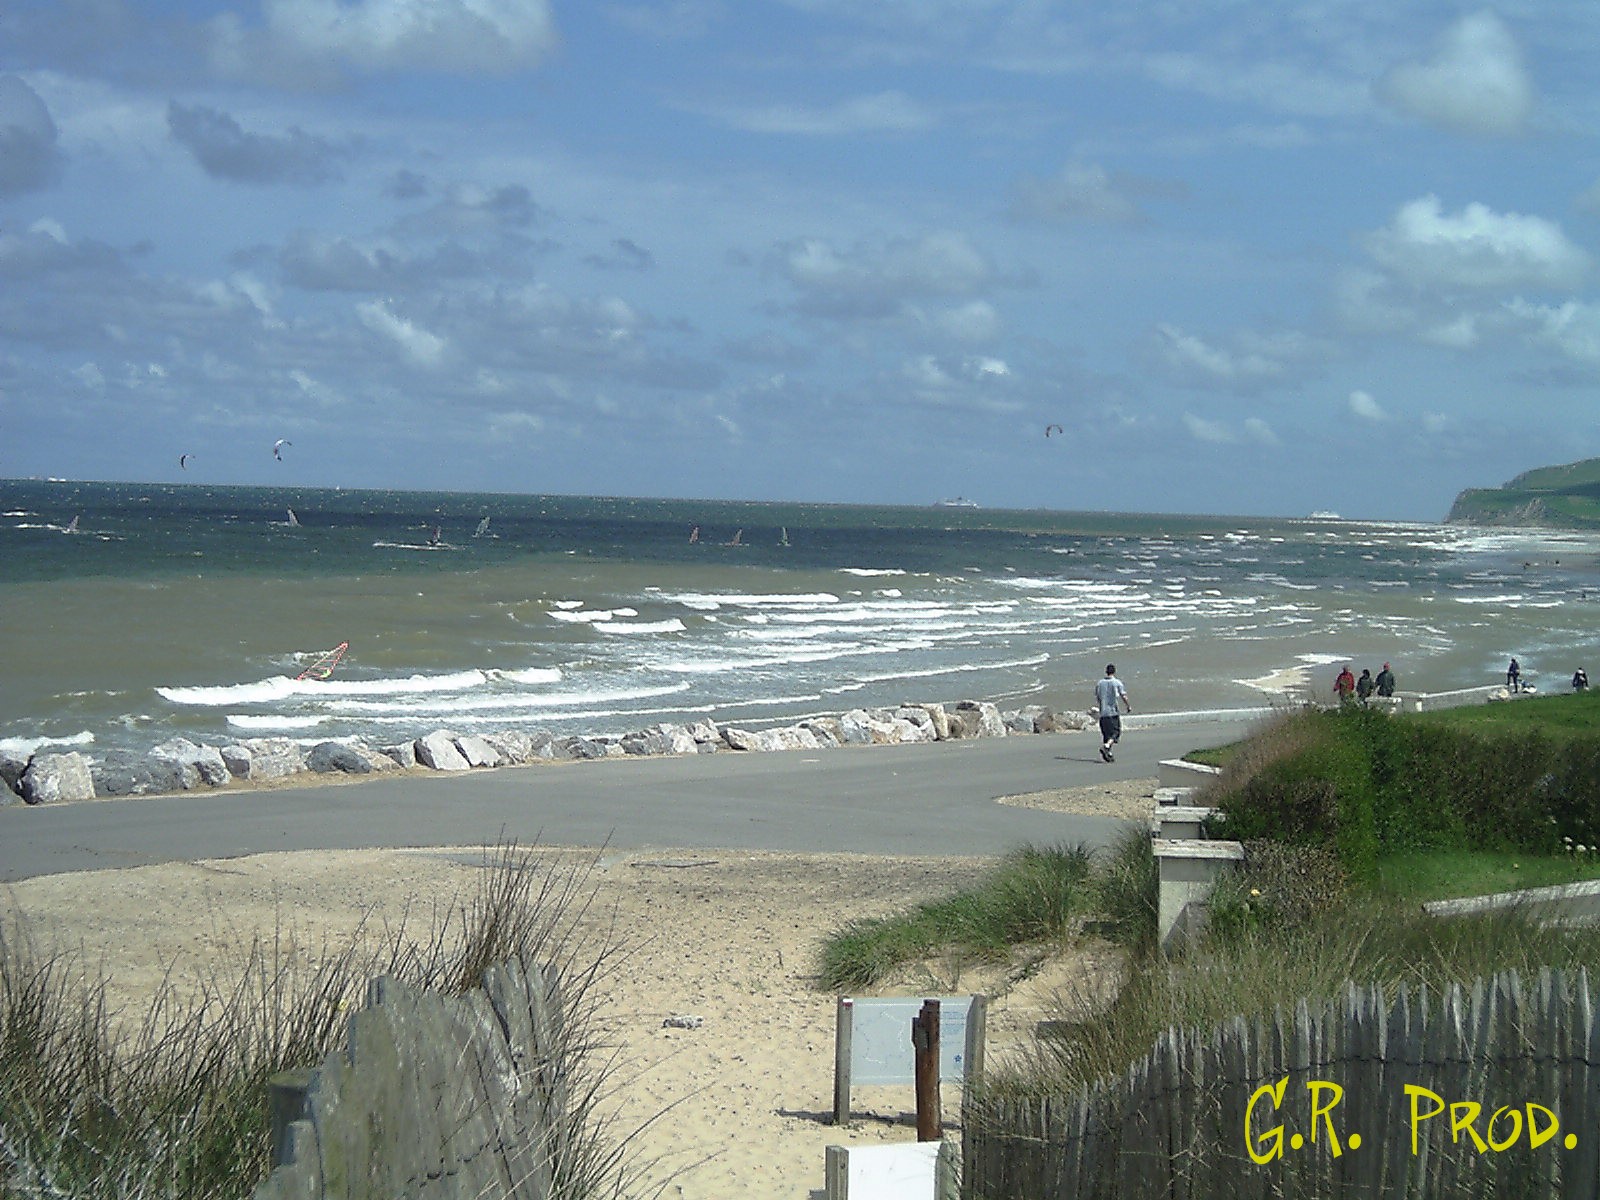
(1111, 727)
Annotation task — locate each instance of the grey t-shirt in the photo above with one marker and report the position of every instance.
(1108, 692)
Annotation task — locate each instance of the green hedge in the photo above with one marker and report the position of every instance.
(1370, 784)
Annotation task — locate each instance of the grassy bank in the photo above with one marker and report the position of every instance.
(1035, 896)
(171, 1101)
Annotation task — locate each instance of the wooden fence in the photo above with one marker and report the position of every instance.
(440, 1096)
(1383, 1081)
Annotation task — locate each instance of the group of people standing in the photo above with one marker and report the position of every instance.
(1580, 679)
(1351, 690)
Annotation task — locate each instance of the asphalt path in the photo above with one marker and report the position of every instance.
(933, 800)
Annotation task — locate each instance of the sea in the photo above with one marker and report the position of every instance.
(134, 613)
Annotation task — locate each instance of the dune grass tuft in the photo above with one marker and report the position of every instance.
(171, 1101)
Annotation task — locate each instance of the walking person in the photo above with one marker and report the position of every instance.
(1385, 681)
(1108, 693)
(1365, 686)
(1344, 686)
(1580, 680)
(1514, 676)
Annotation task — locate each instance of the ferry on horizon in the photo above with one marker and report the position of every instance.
(958, 502)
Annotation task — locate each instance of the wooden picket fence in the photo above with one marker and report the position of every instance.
(1175, 1125)
(439, 1096)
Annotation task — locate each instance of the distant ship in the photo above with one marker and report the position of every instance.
(1323, 514)
(958, 502)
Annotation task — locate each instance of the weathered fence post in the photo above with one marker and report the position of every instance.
(925, 1042)
(286, 1102)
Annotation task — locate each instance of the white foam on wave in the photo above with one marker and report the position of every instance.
(529, 675)
(30, 746)
(673, 625)
(261, 724)
(1500, 598)
(868, 571)
(281, 687)
(1035, 660)
(566, 604)
(593, 615)
(712, 600)
(514, 702)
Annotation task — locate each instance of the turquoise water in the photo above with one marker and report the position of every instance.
(171, 610)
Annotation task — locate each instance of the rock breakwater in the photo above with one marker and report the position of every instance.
(180, 765)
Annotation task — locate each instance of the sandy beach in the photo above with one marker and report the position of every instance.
(741, 1104)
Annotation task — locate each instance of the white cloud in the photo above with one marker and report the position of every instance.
(462, 36)
(881, 112)
(1193, 360)
(1475, 248)
(420, 346)
(1475, 82)
(877, 280)
(1258, 430)
(1572, 328)
(1208, 431)
(90, 375)
(1365, 407)
(1079, 191)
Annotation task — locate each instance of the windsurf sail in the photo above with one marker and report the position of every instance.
(738, 539)
(293, 520)
(783, 536)
(72, 525)
(483, 528)
(694, 535)
(323, 667)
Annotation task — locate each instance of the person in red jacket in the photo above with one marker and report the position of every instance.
(1344, 687)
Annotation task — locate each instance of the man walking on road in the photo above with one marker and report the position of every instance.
(1107, 693)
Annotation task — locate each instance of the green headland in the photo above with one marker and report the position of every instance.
(1565, 497)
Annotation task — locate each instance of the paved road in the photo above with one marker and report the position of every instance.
(917, 800)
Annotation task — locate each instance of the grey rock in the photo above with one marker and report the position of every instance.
(53, 777)
(327, 758)
(237, 759)
(648, 742)
(974, 719)
(1024, 720)
(403, 754)
(205, 761)
(705, 732)
(125, 773)
(12, 764)
(477, 751)
(438, 750)
(827, 731)
(938, 717)
(581, 747)
(512, 745)
(274, 758)
(683, 1021)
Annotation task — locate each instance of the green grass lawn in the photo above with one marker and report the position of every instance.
(1449, 875)
(1560, 714)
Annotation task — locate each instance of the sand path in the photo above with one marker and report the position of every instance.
(740, 1105)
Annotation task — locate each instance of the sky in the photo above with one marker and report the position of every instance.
(1251, 258)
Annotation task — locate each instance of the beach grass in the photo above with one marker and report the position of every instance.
(171, 1101)
(1035, 894)
(1261, 959)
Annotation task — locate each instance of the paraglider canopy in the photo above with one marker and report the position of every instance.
(1048, 429)
(183, 461)
(278, 446)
